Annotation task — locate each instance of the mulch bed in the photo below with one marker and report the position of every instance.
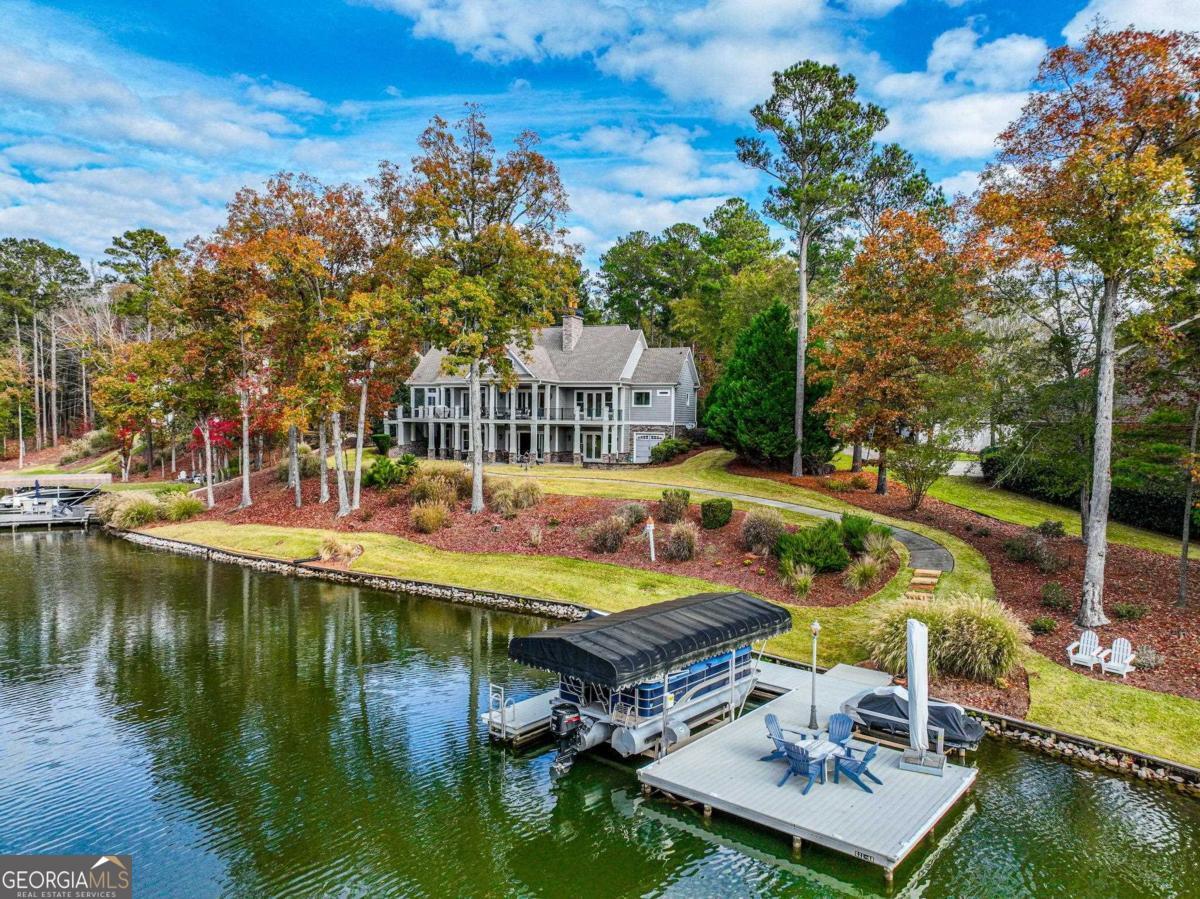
(561, 520)
(1132, 575)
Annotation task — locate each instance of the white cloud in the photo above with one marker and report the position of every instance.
(285, 97)
(965, 182)
(962, 127)
(1148, 15)
(25, 76)
(52, 154)
(501, 31)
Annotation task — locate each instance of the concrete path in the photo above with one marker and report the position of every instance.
(922, 551)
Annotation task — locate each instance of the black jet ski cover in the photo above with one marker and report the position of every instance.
(961, 731)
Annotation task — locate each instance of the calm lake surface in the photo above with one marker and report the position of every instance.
(250, 734)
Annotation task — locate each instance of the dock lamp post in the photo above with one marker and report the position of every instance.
(812, 709)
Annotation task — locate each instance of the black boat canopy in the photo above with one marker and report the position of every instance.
(645, 643)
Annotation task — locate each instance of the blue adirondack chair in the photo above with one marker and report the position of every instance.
(800, 762)
(840, 726)
(856, 769)
(776, 734)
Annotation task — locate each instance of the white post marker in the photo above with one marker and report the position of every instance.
(812, 709)
(649, 532)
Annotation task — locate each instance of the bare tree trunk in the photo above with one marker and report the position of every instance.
(39, 432)
(1188, 501)
(856, 458)
(258, 447)
(339, 467)
(1091, 607)
(20, 384)
(323, 452)
(294, 463)
(206, 433)
(358, 440)
(881, 480)
(244, 397)
(1085, 504)
(801, 353)
(53, 382)
(174, 443)
(476, 431)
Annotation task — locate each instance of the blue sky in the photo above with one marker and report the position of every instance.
(117, 115)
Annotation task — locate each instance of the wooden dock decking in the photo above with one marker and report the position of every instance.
(722, 770)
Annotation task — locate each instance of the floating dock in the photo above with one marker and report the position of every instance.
(722, 771)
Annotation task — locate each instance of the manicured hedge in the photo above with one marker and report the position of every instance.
(1154, 506)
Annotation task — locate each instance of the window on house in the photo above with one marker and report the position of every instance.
(664, 393)
(689, 398)
(641, 398)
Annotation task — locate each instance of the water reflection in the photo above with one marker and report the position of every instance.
(246, 734)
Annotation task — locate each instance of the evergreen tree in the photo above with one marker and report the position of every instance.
(751, 407)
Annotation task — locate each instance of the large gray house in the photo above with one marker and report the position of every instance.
(585, 393)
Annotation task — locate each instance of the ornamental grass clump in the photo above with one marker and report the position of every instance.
(527, 494)
(433, 488)
(863, 572)
(606, 535)
(429, 516)
(761, 530)
(683, 542)
(969, 637)
(674, 504)
(137, 512)
(879, 546)
(633, 513)
(797, 578)
(334, 550)
(181, 507)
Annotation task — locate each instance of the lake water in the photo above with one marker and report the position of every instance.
(249, 734)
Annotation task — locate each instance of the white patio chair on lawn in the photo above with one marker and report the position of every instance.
(1119, 659)
(1086, 651)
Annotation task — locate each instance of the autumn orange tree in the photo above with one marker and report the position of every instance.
(896, 341)
(477, 252)
(1095, 173)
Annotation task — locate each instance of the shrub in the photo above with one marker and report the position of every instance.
(984, 531)
(1147, 658)
(968, 636)
(106, 505)
(383, 443)
(820, 546)
(1050, 529)
(137, 512)
(1054, 596)
(89, 444)
(715, 513)
(682, 542)
(607, 534)
(503, 500)
(666, 450)
(633, 513)
(181, 507)
(879, 545)
(1128, 611)
(836, 486)
(535, 536)
(797, 578)
(334, 550)
(674, 504)
(387, 472)
(1043, 625)
(1032, 547)
(310, 464)
(429, 516)
(920, 465)
(854, 532)
(433, 488)
(761, 530)
(863, 572)
(860, 482)
(393, 496)
(527, 493)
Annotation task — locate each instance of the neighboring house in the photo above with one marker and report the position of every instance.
(584, 393)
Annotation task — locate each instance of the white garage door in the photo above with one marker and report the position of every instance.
(643, 443)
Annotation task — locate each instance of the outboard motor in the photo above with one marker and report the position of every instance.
(564, 724)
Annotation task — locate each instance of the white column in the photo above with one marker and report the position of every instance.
(400, 426)
(533, 419)
(492, 401)
(512, 420)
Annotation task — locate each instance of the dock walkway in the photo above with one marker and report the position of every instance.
(722, 771)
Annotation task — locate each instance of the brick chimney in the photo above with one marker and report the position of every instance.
(572, 329)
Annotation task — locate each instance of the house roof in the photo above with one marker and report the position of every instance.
(599, 357)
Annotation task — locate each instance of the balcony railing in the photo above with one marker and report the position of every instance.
(504, 413)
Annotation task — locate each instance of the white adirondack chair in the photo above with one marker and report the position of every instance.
(1086, 651)
(1119, 659)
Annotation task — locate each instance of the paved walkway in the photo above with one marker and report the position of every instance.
(922, 551)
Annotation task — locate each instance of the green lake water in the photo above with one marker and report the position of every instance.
(249, 734)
